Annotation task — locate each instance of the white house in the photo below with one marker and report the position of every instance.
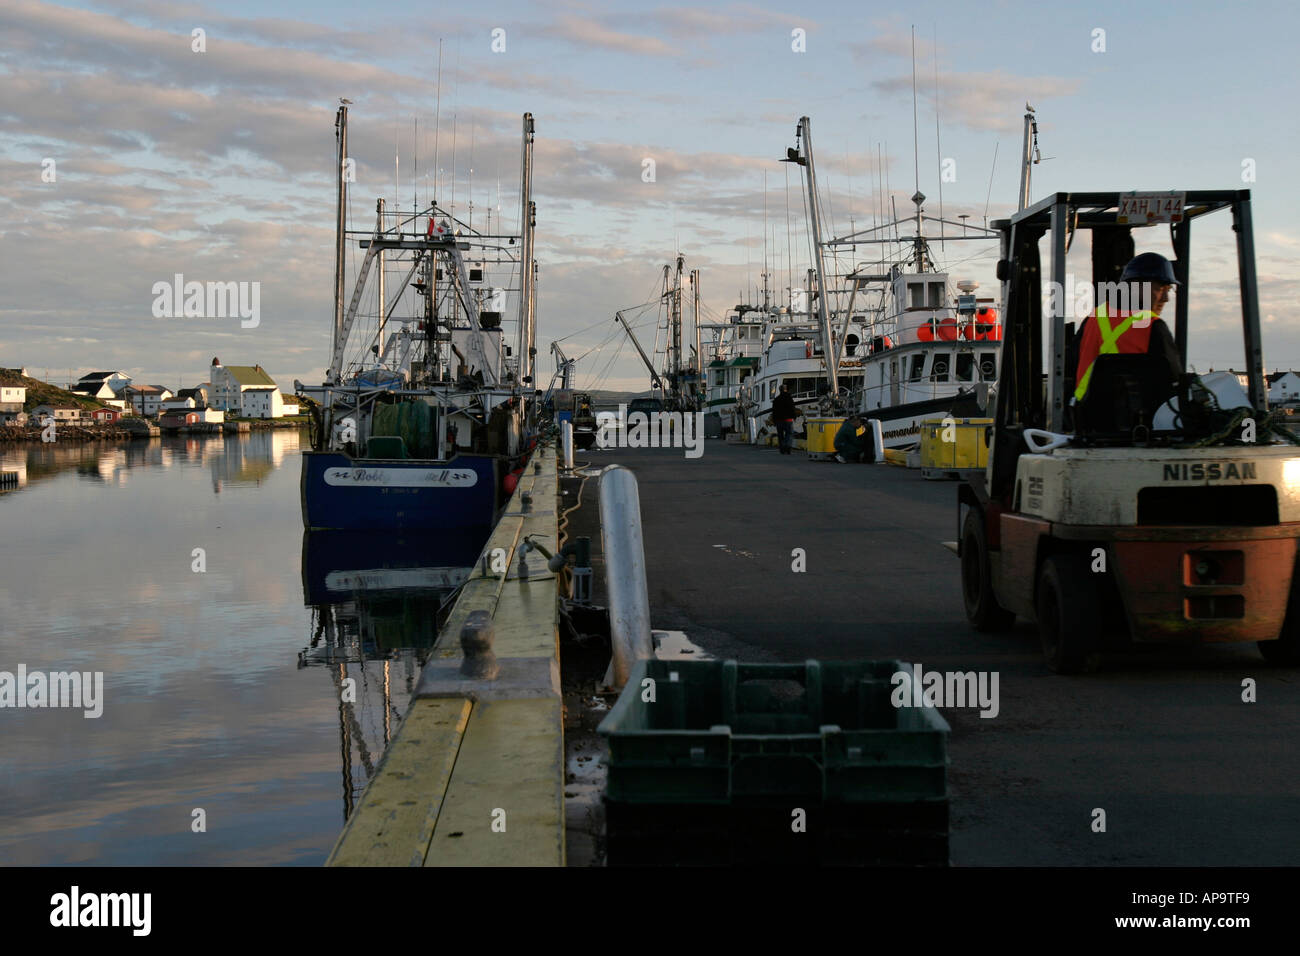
(177, 401)
(245, 391)
(1283, 387)
(13, 393)
(146, 400)
(116, 381)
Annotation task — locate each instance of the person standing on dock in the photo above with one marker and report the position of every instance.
(784, 412)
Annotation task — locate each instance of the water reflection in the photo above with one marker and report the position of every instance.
(247, 459)
(377, 602)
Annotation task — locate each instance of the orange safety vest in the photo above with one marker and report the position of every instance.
(1100, 339)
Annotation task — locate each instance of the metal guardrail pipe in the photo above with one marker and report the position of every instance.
(566, 435)
(625, 581)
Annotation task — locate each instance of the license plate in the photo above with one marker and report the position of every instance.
(1137, 209)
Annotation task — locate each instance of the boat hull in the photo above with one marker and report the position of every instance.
(342, 493)
(901, 424)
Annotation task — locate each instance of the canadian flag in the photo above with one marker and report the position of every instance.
(438, 228)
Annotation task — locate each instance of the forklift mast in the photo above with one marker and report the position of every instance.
(1030, 396)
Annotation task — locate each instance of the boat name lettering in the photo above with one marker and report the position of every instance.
(402, 477)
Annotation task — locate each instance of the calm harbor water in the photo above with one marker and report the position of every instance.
(226, 689)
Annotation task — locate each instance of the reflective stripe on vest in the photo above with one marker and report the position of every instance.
(1109, 342)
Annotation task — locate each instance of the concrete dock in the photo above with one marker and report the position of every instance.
(1187, 772)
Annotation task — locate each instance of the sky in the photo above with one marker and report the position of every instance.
(219, 164)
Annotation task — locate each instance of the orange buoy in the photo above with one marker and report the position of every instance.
(948, 330)
(510, 482)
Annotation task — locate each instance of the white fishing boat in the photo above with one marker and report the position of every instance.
(921, 344)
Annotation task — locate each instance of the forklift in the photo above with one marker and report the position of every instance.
(1119, 525)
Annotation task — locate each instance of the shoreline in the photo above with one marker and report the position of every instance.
(14, 435)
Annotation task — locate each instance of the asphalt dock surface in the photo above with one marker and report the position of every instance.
(1160, 739)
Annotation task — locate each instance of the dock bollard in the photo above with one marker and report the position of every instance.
(476, 634)
(566, 435)
(625, 581)
(878, 441)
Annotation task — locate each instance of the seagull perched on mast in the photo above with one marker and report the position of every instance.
(1028, 108)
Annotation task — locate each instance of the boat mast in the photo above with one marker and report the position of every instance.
(804, 133)
(700, 385)
(379, 256)
(527, 212)
(341, 135)
(675, 375)
(1029, 155)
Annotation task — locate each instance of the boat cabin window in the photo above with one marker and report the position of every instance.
(850, 344)
(940, 367)
(918, 365)
(988, 366)
(916, 295)
(936, 295)
(965, 367)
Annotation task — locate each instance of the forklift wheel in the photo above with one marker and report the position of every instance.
(1069, 621)
(982, 608)
(1285, 650)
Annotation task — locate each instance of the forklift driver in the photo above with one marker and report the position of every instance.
(1111, 330)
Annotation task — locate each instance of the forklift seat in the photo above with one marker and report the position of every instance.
(1124, 392)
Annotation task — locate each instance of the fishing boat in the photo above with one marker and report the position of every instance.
(932, 346)
(425, 417)
(780, 346)
(920, 344)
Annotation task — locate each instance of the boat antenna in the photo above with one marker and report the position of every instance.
(916, 150)
(789, 256)
(937, 148)
(765, 300)
(990, 192)
(437, 121)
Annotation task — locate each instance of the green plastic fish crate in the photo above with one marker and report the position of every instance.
(722, 732)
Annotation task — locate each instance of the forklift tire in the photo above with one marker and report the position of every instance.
(982, 607)
(1069, 621)
(1284, 651)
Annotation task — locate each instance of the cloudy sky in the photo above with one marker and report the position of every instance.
(219, 164)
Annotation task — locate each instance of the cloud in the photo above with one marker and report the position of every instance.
(587, 33)
(981, 101)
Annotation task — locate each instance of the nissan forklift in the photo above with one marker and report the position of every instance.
(1132, 516)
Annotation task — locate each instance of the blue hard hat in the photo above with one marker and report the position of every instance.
(1149, 267)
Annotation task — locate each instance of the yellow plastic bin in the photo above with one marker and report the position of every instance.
(820, 442)
(953, 447)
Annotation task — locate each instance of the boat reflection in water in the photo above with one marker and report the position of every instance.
(377, 602)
